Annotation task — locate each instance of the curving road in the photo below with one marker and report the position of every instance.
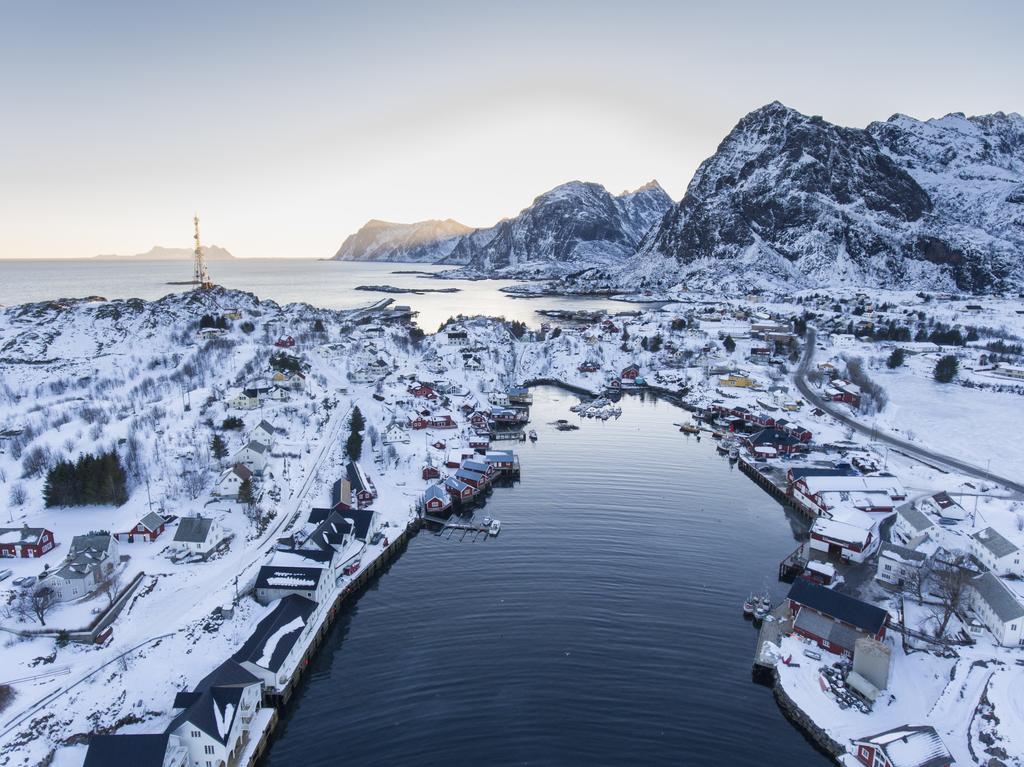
(923, 454)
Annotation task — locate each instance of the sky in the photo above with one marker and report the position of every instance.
(286, 126)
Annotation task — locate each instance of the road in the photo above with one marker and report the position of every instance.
(199, 597)
(916, 451)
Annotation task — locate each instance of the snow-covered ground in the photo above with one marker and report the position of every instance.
(134, 377)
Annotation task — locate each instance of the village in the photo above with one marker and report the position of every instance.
(278, 457)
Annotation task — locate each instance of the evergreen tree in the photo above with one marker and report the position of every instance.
(946, 369)
(729, 344)
(358, 422)
(895, 359)
(354, 446)
(246, 494)
(218, 447)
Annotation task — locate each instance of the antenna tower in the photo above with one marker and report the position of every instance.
(201, 276)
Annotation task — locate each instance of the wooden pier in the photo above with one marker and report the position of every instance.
(794, 564)
(765, 482)
(772, 632)
(453, 528)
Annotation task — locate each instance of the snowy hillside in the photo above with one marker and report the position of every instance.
(792, 199)
(423, 242)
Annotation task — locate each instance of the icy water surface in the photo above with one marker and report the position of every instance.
(603, 626)
(329, 284)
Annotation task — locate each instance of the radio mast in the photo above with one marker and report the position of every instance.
(201, 276)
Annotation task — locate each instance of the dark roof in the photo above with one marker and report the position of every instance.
(219, 689)
(193, 529)
(361, 518)
(997, 595)
(126, 750)
(152, 521)
(290, 613)
(864, 616)
(994, 542)
(332, 530)
(286, 577)
(355, 476)
(902, 552)
(318, 515)
(773, 437)
(799, 472)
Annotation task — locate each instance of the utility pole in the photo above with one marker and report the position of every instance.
(200, 276)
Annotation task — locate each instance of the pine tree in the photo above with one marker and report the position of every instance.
(218, 447)
(729, 344)
(946, 369)
(245, 493)
(354, 446)
(895, 359)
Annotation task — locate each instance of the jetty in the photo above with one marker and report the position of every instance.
(777, 624)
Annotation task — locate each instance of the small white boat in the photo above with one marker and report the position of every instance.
(748, 606)
(495, 527)
(487, 521)
(533, 434)
(734, 453)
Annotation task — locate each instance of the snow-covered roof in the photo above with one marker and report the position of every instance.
(911, 746)
(193, 529)
(21, 535)
(275, 635)
(278, 577)
(915, 518)
(214, 703)
(902, 553)
(817, 483)
(994, 542)
(997, 595)
(839, 530)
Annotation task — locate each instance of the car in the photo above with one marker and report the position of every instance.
(352, 568)
(4, 575)
(18, 581)
(28, 580)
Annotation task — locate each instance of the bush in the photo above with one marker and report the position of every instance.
(946, 369)
(729, 344)
(896, 359)
(232, 422)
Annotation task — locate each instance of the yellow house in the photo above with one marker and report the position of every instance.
(736, 379)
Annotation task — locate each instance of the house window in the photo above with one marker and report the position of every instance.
(208, 750)
(195, 733)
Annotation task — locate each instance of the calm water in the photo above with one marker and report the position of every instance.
(321, 283)
(603, 626)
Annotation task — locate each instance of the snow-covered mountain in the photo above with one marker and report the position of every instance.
(573, 225)
(160, 253)
(789, 199)
(423, 242)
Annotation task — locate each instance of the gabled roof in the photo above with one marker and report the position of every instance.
(911, 746)
(284, 577)
(126, 751)
(152, 521)
(28, 536)
(864, 616)
(256, 447)
(456, 485)
(341, 492)
(895, 551)
(266, 426)
(355, 476)
(915, 518)
(435, 491)
(332, 531)
(275, 635)
(997, 595)
(994, 542)
(193, 529)
(213, 705)
(361, 518)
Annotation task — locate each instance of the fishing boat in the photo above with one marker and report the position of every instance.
(717, 435)
(495, 527)
(689, 428)
(734, 453)
(533, 435)
(486, 521)
(748, 606)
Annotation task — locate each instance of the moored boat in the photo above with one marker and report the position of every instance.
(533, 435)
(495, 527)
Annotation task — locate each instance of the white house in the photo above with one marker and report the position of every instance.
(246, 399)
(215, 719)
(91, 558)
(898, 565)
(253, 456)
(278, 581)
(998, 554)
(998, 608)
(943, 505)
(231, 480)
(137, 750)
(263, 432)
(911, 526)
(198, 535)
(277, 644)
(457, 337)
(849, 534)
(395, 433)
(498, 398)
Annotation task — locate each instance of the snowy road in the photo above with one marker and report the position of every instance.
(915, 451)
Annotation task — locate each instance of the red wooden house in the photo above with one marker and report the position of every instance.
(418, 422)
(285, 342)
(906, 746)
(436, 500)
(479, 419)
(615, 383)
(439, 444)
(459, 490)
(25, 542)
(150, 527)
(431, 472)
(630, 372)
(441, 421)
(833, 620)
(426, 391)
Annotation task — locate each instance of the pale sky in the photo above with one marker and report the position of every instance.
(287, 125)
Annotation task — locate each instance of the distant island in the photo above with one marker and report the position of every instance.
(415, 291)
(158, 253)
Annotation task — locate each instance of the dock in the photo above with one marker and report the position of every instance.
(794, 564)
(772, 632)
(453, 528)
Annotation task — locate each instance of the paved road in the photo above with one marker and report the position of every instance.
(922, 454)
